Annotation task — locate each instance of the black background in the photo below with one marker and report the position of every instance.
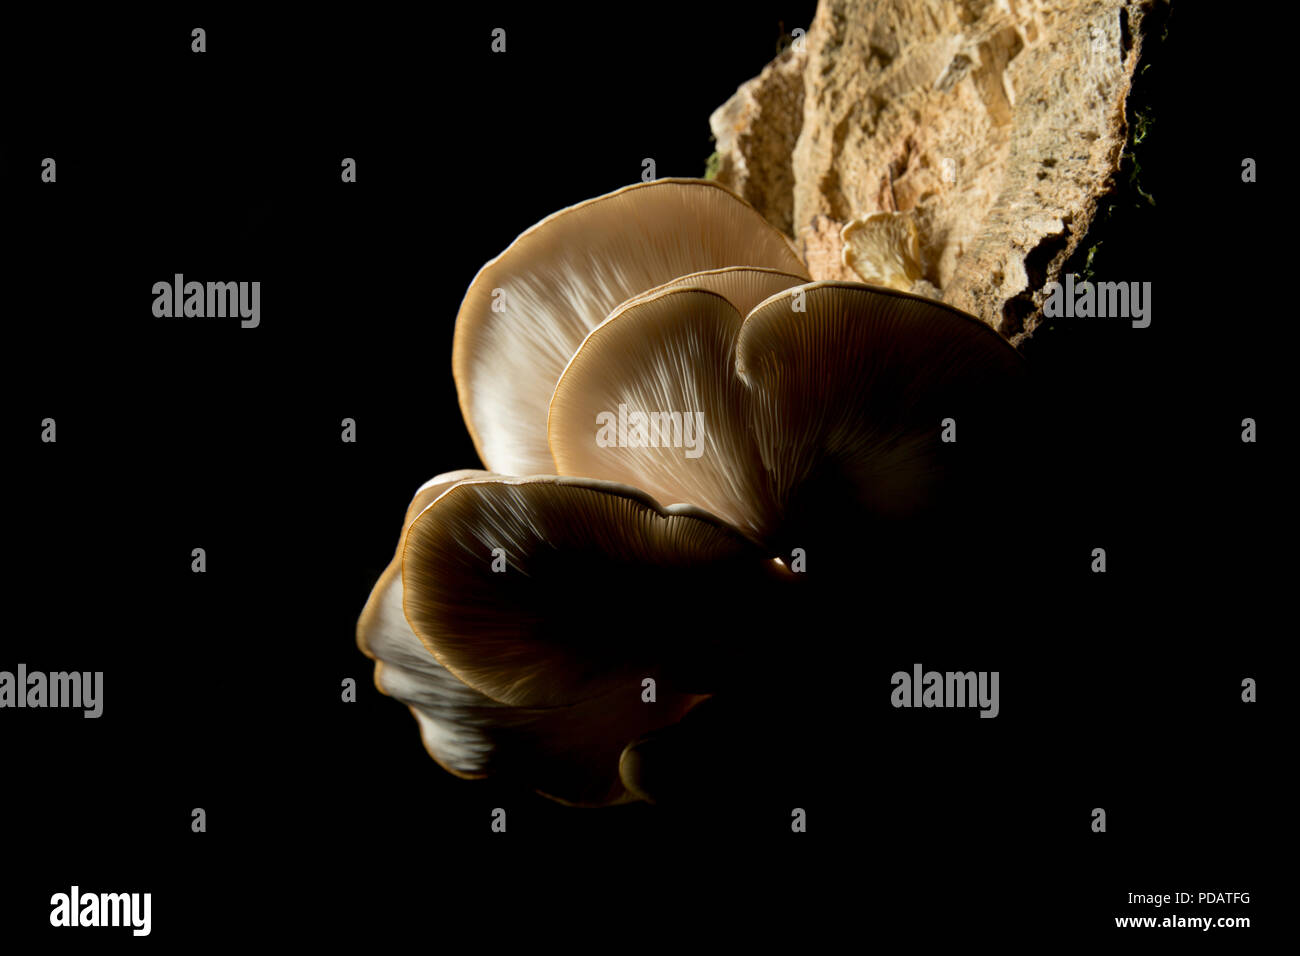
(326, 821)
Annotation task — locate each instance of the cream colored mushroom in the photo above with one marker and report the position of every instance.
(884, 249)
(535, 670)
(528, 310)
(825, 385)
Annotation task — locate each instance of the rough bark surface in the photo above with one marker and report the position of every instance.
(996, 124)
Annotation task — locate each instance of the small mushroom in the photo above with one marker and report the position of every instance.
(884, 249)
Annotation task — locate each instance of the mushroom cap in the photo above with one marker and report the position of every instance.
(452, 717)
(569, 754)
(850, 397)
(827, 400)
(528, 310)
(558, 634)
(550, 624)
(668, 357)
(884, 249)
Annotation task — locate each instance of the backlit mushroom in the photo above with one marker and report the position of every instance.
(529, 308)
(522, 617)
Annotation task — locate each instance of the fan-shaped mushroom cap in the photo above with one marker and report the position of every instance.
(453, 718)
(850, 395)
(827, 400)
(595, 586)
(663, 367)
(884, 248)
(528, 309)
(569, 752)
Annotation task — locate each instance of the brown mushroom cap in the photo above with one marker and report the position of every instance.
(828, 411)
(582, 597)
(670, 357)
(563, 276)
(809, 414)
(571, 752)
(849, 397)
(884, 248)
(567, 753)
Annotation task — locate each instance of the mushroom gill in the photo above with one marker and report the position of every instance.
(849, 398)
(743, 286)
(884, 249)
(821, 411)
(563, 635)
(528, 309)
(663, 368)
(548, 591)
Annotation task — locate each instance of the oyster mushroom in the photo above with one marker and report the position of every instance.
(534, 668)
(846, 396)
(529, 308)
(884, 249)
(521, 616)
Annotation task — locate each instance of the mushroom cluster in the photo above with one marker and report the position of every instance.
(674, 423)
